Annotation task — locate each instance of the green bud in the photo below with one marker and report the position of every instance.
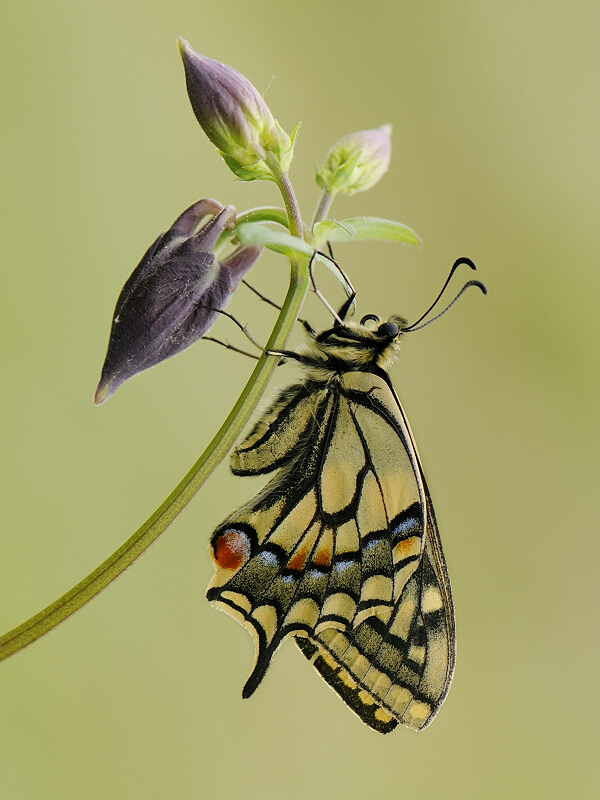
(233, 114)
(357, 162)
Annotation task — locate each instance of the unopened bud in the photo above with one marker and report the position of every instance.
(357, 162)
(233, 114)
(173, 296)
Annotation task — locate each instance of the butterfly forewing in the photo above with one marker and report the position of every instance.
(341, 550)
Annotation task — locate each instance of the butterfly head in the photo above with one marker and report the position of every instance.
(361, 346)
(389, 329)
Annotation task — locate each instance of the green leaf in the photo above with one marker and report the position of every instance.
(343, 224)
(250, 233)
(364, 228)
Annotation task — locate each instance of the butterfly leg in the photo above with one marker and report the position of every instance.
(270, 302)
(230, 347)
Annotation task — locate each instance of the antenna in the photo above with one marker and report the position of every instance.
(413, 327)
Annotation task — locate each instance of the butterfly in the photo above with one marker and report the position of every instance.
(341, 549)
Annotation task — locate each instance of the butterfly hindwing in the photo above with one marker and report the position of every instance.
(277, 585)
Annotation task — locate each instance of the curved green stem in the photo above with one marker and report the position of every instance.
(264, 214)
(258, 214)
(216, 451)
(285, 187)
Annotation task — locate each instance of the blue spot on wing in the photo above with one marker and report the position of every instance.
(406, 524)
(341, 566)
(269, 558)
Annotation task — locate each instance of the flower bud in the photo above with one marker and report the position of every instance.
(173, 296)
(357, 162)
(232, 113)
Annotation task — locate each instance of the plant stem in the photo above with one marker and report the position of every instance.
(216, 451)
(322, 208)
(285, 187)
(264, 214)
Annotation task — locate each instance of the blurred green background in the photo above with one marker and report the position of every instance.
(496, 115)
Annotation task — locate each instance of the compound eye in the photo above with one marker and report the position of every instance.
(388, 329)
(369, 318)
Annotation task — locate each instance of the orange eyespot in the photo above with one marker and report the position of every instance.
(232, 549)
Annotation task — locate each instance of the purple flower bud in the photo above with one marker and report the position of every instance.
(357, 162)
(165, 306)
(230, 110)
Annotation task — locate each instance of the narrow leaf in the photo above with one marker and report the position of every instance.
(249, 233)
(364, 228)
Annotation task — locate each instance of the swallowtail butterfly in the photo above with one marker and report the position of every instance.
(341, 548)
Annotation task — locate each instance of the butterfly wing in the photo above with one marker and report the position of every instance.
(397, 668)
(332, 550)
